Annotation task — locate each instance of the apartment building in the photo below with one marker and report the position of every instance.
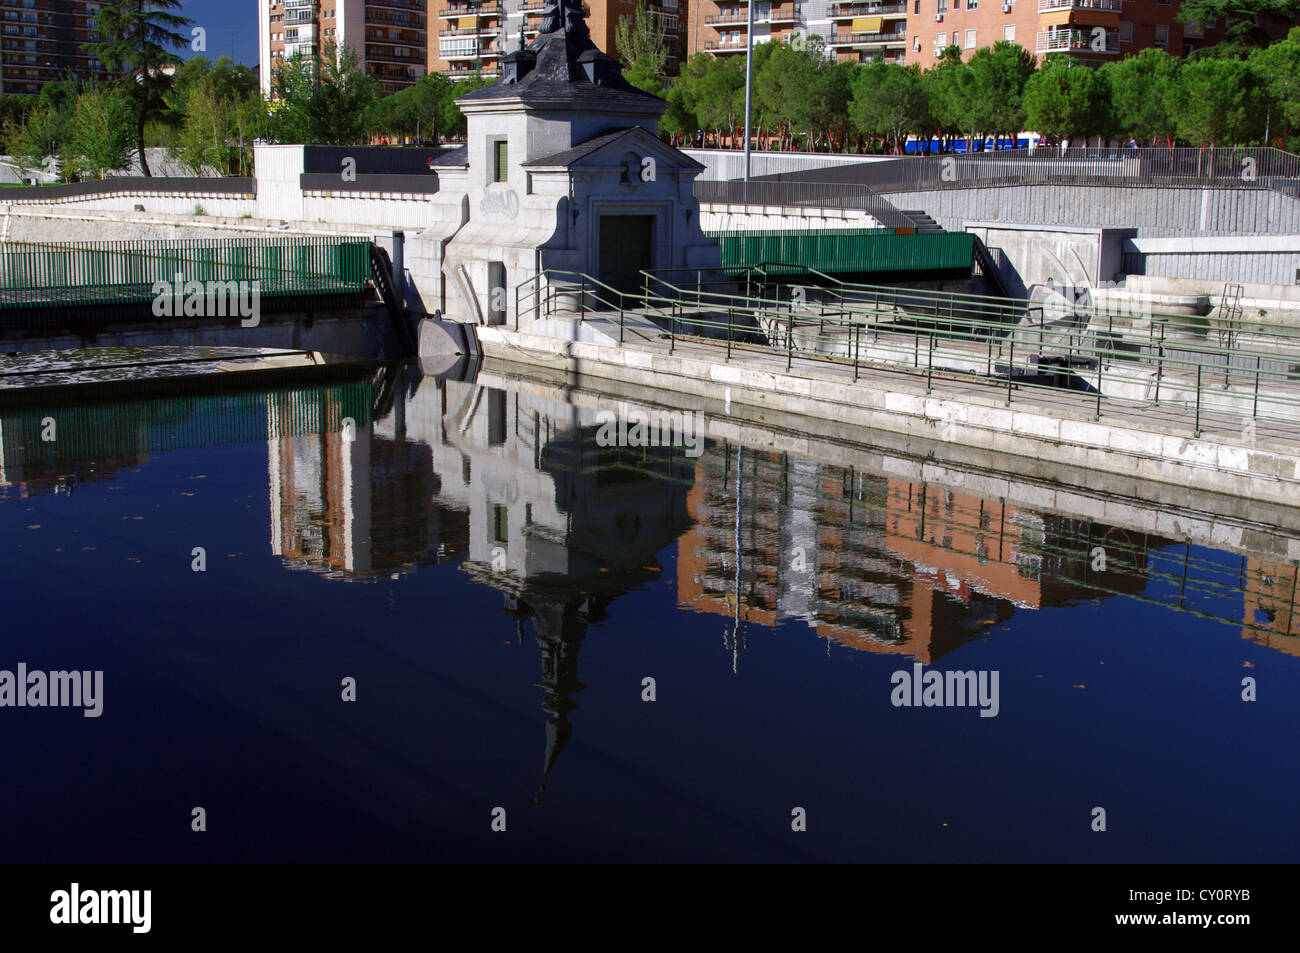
(473, 35)
(41, 40)
(390, 37)
(917, 31)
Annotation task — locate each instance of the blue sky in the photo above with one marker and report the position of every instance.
(231, 27)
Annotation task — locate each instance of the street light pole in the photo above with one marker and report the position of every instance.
(749, 79)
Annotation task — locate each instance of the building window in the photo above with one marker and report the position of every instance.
(1125, 32)
(500, 161)
(943, 6)
(500, 524)
(940, 42)
(1162, 34)
(1009, 33)
(972, 4)
(970, 39)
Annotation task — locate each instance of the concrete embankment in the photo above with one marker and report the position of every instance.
(1056, 434)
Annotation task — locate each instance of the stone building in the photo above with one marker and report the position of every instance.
(562, 171)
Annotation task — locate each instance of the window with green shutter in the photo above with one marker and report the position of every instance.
(499, 161)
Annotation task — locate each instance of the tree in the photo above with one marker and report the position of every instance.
(642, 49)
(328, 100)
(682, 115)
(998, 75)
(138, 35)
(1279, 68)
(102, 131)
(888, 102)
(720, 100)
(1219, 101)
(947, 94)
(1065, 99)
(28, 140)
(1141, 91)
(1242, 33)
(803, 90)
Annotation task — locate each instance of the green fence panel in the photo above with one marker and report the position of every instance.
(120, 272)
(849, 250)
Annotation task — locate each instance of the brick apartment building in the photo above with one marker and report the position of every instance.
(41, 42)
(390, 37)
(475, 35)
(917, 31)
(398, 41)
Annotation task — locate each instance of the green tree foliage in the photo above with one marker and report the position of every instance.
(138, 37)
(426, 109)
(1067, 100)
(888, 102)
(329, 100)
(947, 88)
(1218, 102)
(803, 90)
(642, 49)
(102, 127)
(1242, 33)
(998, 75)
(1142, 91)
(1278, 66)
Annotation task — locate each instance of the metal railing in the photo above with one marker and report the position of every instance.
(853, 39)
(1250, 167)
(1099, 359)
(1108, 6)
(1079, 41)
(36, 276)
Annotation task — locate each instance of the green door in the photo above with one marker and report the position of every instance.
(625, 248)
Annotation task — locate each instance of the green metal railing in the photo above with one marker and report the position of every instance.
(72, 274)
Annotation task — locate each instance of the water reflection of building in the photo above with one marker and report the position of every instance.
(514, 485)
(32, 466)
(882, 564)
(559, 525)
(352, 502)
(1269, 610)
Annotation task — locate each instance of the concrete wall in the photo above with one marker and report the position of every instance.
(1260, 259)
(1061, 255)
(1154, 212)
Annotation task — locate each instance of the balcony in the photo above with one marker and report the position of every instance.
(1076, 41)
(1102, 6)
(740, 15)
(468, 10)
(852, 40)
(409, 20)
(485, 30)
(848, 11)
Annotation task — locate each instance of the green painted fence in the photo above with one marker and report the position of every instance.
(129, 272)
(849, 250)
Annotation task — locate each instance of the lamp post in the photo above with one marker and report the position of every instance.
(749, 79)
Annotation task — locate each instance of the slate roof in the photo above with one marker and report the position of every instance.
(570, 156)
(457, 156)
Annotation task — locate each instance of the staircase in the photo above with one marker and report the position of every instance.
(925, 225)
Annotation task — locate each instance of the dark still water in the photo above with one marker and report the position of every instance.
(499, 585)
